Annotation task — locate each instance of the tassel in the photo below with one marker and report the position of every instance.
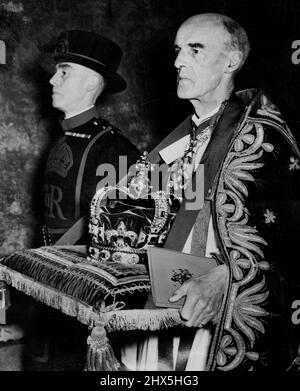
(100, 355)
(4, 296)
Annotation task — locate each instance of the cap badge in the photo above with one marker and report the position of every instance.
(62, 46)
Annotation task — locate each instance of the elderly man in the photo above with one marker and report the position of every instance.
(237, 316)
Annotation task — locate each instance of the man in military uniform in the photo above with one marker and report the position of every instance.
(83, 72)
(73, 172)
(84, 66)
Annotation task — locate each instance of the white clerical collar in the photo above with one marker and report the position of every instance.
(175, 150)
(79, 112)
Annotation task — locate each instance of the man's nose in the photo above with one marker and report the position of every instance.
(54, 79)
(180, 60)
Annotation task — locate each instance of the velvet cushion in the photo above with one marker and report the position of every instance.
(103, 286)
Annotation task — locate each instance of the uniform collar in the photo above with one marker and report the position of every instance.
(79, 119)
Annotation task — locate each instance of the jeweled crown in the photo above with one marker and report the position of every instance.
(125, 220)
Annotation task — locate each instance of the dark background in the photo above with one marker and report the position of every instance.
(148, 109)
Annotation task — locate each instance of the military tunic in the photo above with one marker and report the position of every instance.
(74, 170)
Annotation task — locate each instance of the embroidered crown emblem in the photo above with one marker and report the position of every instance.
(60, 159)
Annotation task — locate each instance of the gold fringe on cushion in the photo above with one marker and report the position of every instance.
(126, 320)
(4, 296)
(51, 297)
(145, 319)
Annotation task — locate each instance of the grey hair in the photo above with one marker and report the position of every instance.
(238, 37)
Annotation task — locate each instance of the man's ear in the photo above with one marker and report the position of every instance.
(234, 63)
(91, 83)
(95, 82)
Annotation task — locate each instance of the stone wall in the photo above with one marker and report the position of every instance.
(146, 111)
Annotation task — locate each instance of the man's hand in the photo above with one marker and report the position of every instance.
(203, 296)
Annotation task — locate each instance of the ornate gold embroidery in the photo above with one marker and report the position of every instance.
(244, 306)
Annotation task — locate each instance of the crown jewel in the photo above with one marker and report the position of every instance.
(125, 220)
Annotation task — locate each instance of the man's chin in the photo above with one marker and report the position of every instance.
(181, 94)
(56, 104)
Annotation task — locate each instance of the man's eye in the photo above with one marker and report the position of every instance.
(195, 50)
(176, 49)
(64, 73)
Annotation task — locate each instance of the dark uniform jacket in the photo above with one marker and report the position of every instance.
(74, 171)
